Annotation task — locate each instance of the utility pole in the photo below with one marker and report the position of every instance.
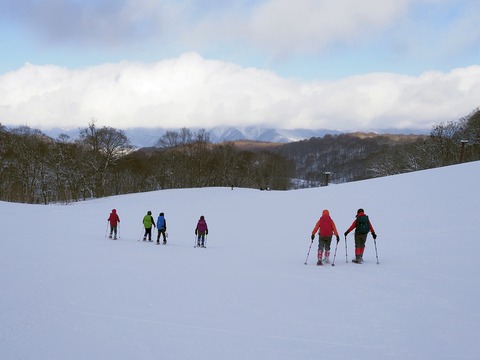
(327, 176)
(462, 149)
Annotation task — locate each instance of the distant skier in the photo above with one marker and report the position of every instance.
(201, 230)
(362, 226)
(326, 228)
(113, 219)
(148, 222)
(162, 228)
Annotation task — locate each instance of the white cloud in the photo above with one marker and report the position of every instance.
(195, 92)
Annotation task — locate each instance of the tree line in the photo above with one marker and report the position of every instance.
(35, 168)
(359, 156)
(448, 144)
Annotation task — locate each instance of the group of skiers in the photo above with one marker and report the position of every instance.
(201, 229)
(326, 229)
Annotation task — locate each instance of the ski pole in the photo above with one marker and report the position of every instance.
(346, 252)
(308, 252)
(141, 232)
(376, 252)
(206, 237)
(106, 229)
(335, 254)
(195, 241)
(118, 228)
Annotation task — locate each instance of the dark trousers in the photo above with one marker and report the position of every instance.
(148, 231)
(360, 240)
(161, 232)
(201, 237)
(324, 242)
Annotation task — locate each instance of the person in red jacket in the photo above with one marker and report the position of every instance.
(113, 219)
(326, 228)
(362, 226)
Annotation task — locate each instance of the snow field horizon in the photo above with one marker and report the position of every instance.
(68, 292)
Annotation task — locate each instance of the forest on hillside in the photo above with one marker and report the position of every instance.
(35, 168)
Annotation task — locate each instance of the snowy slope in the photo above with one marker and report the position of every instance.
(70, 293)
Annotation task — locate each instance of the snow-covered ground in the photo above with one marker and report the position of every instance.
(68, 292)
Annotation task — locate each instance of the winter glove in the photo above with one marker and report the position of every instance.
(346, 233)
(312, 237)
(374, 236)
(338, 239)
(195, 231)
(206, 232)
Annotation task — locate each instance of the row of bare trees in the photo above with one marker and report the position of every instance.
(448, 143)
(358, 156)
(35, 168)
(188, 159)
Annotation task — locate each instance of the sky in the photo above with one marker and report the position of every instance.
(317, 64)
(68, 292)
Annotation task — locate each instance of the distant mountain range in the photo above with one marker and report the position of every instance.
(146, 137)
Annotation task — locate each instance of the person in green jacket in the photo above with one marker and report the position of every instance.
(148, 222)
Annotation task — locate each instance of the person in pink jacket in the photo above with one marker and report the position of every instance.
(201, 230)
(326, 229)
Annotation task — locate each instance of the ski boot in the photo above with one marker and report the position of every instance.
(319, 257)
(327, 257)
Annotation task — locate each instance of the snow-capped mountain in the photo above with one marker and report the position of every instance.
(219, 134)
(146, 137)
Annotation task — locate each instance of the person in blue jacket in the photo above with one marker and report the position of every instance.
(162, 228)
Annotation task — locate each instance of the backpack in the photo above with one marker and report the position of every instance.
(363, 225)
(147, 221)
(160, 222)
(201, 225)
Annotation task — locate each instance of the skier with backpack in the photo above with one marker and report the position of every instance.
(113, 219)
(326, 229)
(148, 222)
(362, 226)
(200, 231)
(162, 228)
